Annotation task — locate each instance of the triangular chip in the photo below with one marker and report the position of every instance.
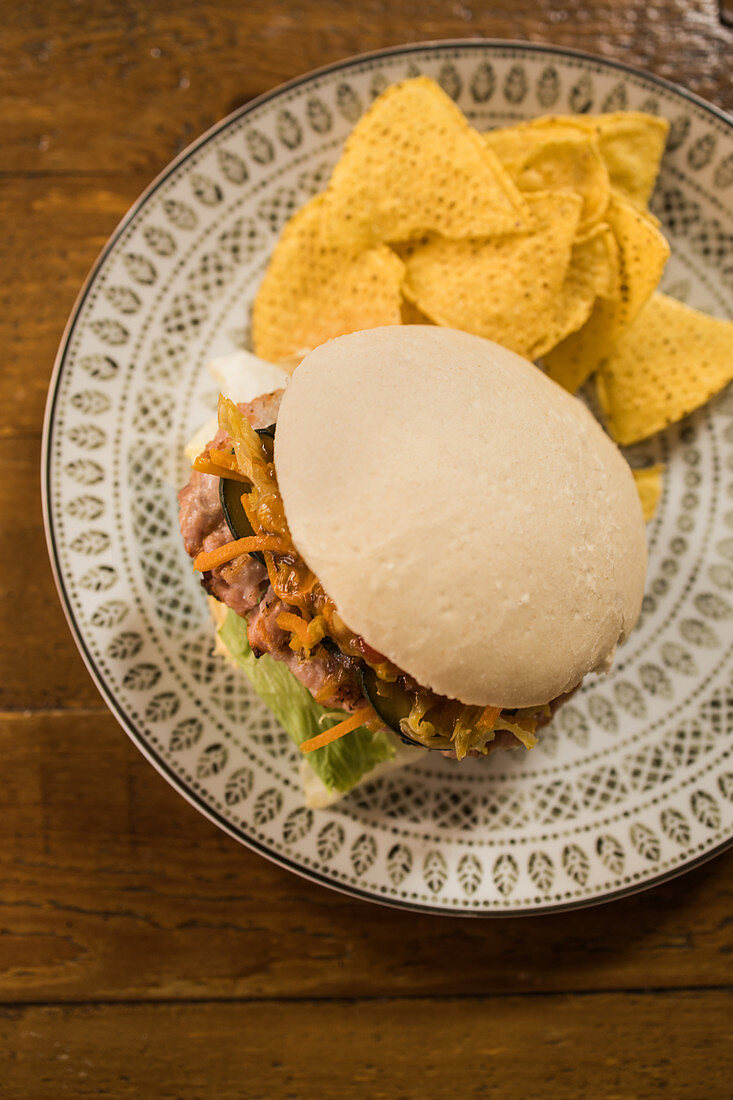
(643, 252)
(632, 145)
(504, 288)
(551, 155)
(573, 360)
(650, 217)
(671, 361)
(592, 273)
(413, 165)
(411, 315)
(313, 291)
(649, 486)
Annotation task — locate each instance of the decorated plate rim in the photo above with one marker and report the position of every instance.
(127, 724)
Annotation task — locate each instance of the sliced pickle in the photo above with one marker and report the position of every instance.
(391, 702)
(230, 495)
(267, 435)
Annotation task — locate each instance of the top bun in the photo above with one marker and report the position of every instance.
(469, 518)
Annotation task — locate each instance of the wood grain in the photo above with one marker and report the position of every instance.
(107, 86)
(103, 866)
(53, 230)
(39, 665)
(143, 952)
(625, 1048)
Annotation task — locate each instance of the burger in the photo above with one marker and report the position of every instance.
(421, 541)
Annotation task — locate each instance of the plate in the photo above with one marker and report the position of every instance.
(633, 783)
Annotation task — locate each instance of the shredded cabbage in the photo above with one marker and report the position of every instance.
(526, 736)
(466, 736)
(449, 725)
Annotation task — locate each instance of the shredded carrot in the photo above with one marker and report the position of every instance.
(224, 458)
(358, 718)
(296, 626)
(204, 465)
(210, 559)
(309, 584)
(487, 718)
(305, 633)
(317, 629)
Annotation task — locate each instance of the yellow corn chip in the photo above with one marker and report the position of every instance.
(512, 144)
(647, 213)
(313, 291)
(411, 315)
(671, 361)
(503, 288)
(642, 252)
(632, 145)
(573, 360)
(649, 486)
(593, 273)
(550, 156)
(413, 165)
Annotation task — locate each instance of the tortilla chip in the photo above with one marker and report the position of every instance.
(411, 315)
(313, 291)
(592, 273)
(632, 145)
(512, 143)
(642, 254)
(649, 486)
(504, 288)
(547, 156)
(412, 166)
(575, 359)
(671, 361)
(655, 221)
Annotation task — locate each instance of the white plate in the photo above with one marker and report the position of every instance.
(634, 782)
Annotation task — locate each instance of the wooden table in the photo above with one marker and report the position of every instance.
(142, 952)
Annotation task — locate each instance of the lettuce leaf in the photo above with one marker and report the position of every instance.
(339, 765)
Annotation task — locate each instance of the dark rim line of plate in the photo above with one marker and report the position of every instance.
(106, 692)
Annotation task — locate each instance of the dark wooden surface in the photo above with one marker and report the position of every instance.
(143, 953)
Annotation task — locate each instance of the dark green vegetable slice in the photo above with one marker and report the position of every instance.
(230, 495)
(267, 435)
(389, 700)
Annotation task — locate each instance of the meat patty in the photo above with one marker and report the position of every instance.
(242, 583)
(238, 583)
(327, 678)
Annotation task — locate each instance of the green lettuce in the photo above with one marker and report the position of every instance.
(339, 765)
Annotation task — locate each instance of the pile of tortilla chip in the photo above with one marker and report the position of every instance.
(537, 236)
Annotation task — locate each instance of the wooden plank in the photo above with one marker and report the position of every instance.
(91, 86)
(39, 663)
(115, 888)
(52, 233)
(624, 1047)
